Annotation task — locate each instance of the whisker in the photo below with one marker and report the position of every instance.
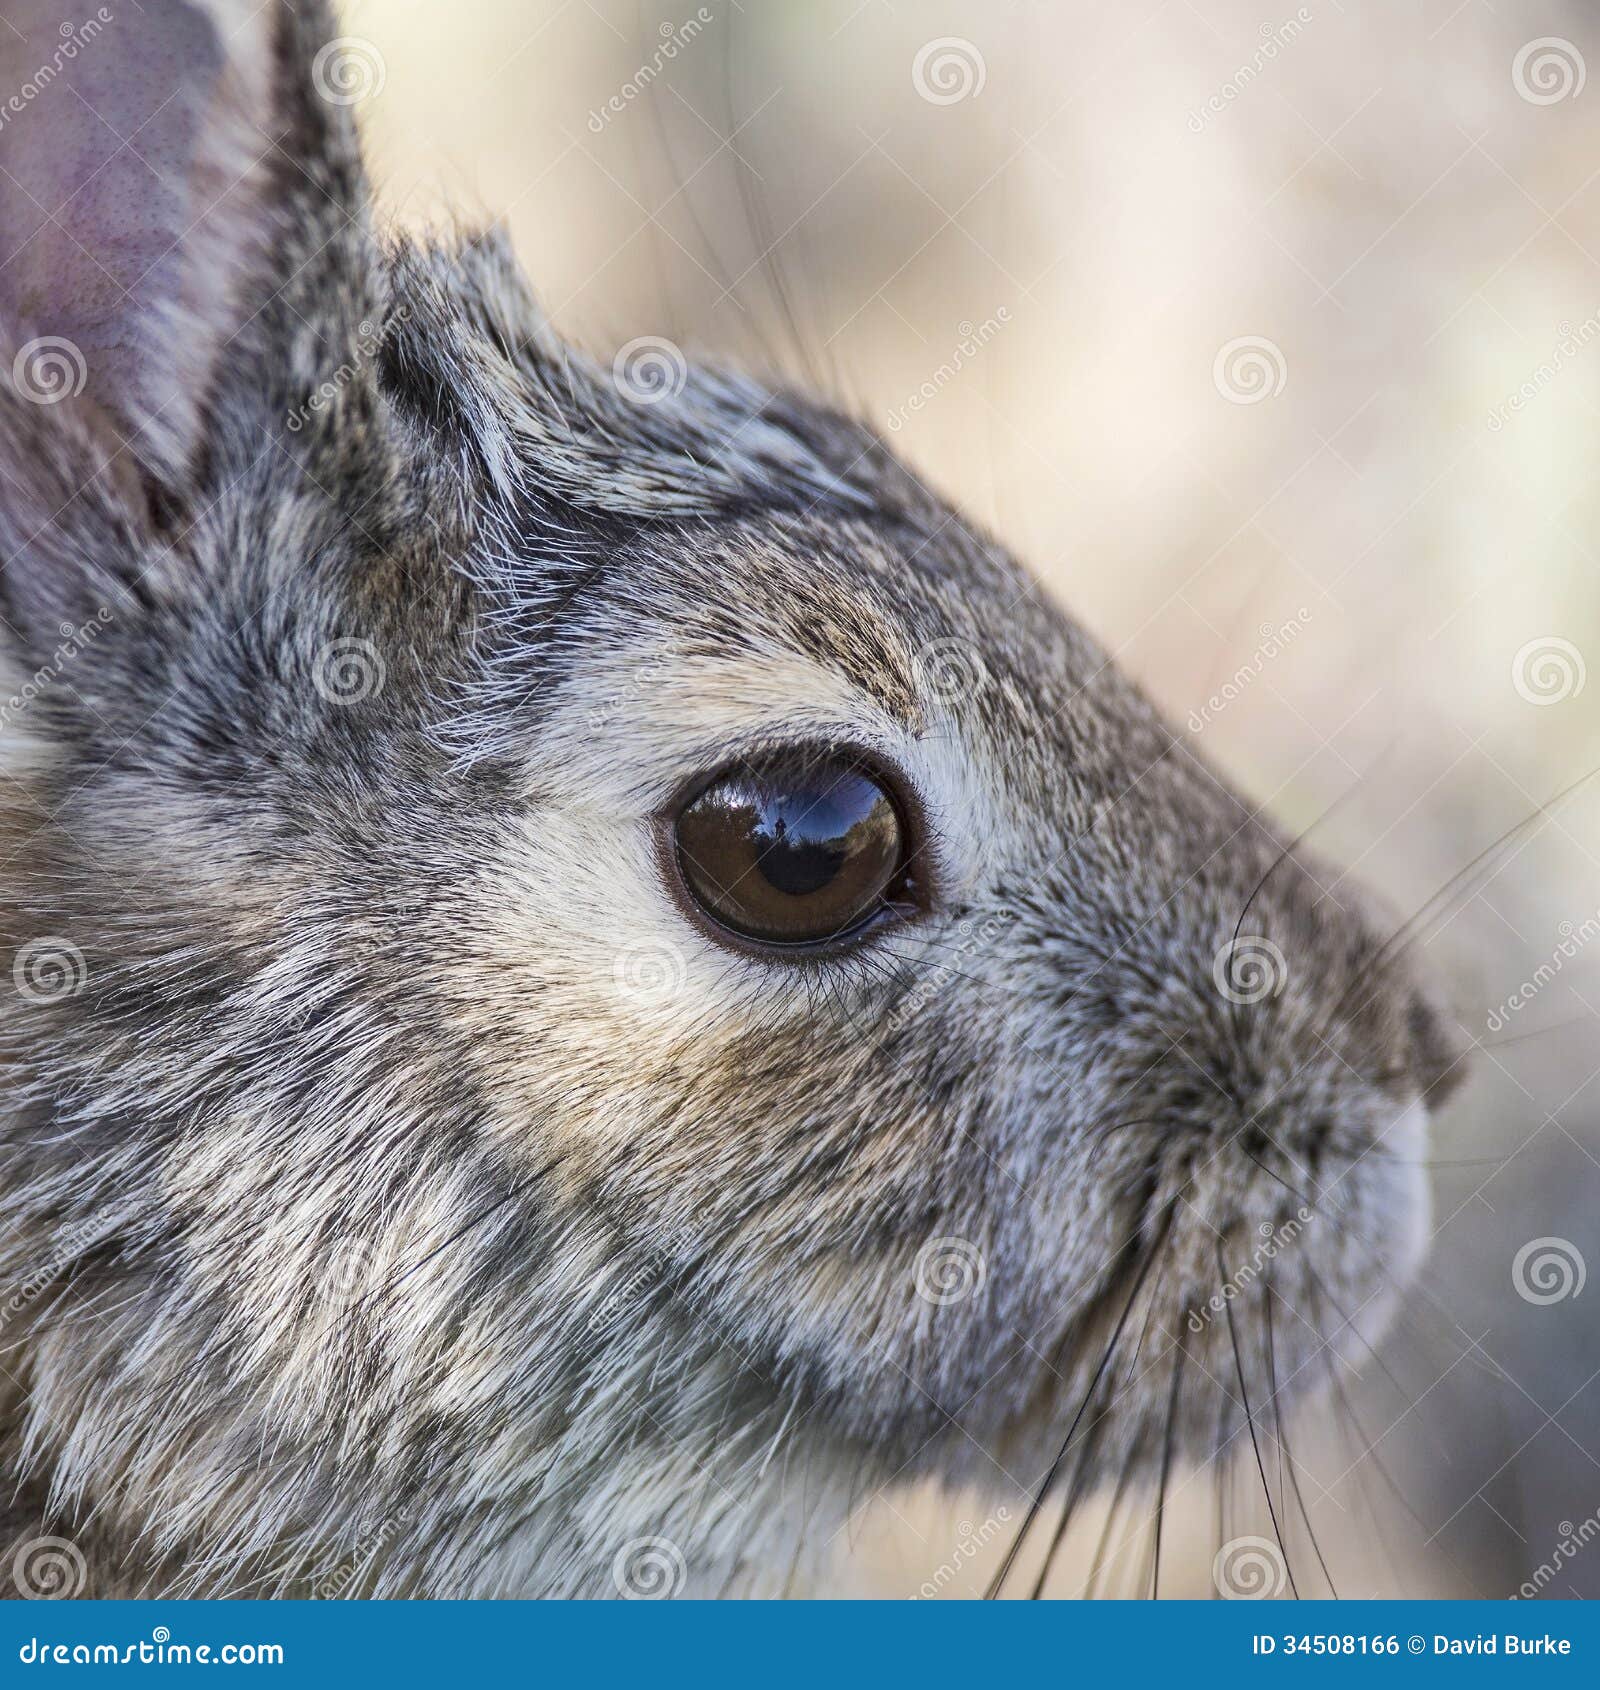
(1368, 1450)
(1289, 850)
(1249, 1420)
(1131, 1460)
(1354, 1439)
(760, 226)
(1091, 1444)
(1100, 1564)
(1220, 1441)
(1066, 1443)
(1168, 1443)
(1103, 1134)
(1320, 1293)
(1585, 1019)
(1283, 1445)
(1408, 932)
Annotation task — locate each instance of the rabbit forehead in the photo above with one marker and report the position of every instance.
(659, 708)
(703, 649)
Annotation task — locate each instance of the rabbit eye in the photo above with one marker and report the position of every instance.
(795, 850)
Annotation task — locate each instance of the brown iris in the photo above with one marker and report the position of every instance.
(795, 850)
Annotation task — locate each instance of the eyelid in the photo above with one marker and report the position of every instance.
(723, 759)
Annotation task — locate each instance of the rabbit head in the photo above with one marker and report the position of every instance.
(588, 964)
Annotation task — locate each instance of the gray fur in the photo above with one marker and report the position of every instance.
(385, 1229)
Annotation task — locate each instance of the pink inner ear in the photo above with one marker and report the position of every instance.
(116, 177)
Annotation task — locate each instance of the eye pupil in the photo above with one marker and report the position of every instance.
(795, 866)
(804, 856)
(792, 851)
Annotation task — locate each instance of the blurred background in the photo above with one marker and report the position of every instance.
(1272, 340)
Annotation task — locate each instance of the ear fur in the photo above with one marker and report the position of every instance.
(647, 437)
(127, 202)
(190, 289)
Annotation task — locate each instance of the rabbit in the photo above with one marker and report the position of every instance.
(592, 972)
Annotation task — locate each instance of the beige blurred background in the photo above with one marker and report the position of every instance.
(1024, 239)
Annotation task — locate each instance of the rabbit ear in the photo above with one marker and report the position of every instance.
(123, 192)
(185, 255)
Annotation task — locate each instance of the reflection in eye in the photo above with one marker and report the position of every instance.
(794, 850)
